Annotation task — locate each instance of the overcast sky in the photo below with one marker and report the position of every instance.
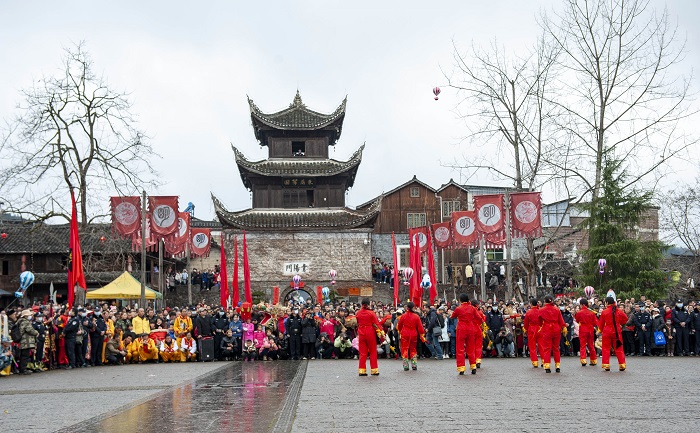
(190, 65)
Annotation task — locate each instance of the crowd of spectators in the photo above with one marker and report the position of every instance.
(48, 337)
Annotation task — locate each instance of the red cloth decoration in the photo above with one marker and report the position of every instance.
(490, 218)
(275, 295)
(201, 242)
(235, 297)
(442, 234)
(417, 265)
(526, 214)
(463, 230)
(396, 271)
(421, 234)
(319, 294)
(246, 271)
(163, 215)
(175, 245)
(431, 272)
(223, 276)
(76, 276)
(126, 214)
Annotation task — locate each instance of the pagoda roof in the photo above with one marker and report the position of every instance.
(297, 117)
(295, 219)
(298, 166)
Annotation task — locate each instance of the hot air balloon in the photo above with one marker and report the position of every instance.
(332, 273)
(589, 291)
(425, 284)
(407, 274)
(601, 265)
(436, 92)
(26, 279)
(296, 279)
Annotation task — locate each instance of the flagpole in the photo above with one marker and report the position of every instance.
(142, 301)
(189, 271)
(161, 246)
(482, 259)
(509, 245)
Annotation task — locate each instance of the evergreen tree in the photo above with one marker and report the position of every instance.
(633, 265)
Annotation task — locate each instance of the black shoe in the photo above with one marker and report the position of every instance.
(375, 374)
(363, 374)
(547, 370)
(558, 370)
(461, 373)
(478, 365)
(26, 372)
(473, 370)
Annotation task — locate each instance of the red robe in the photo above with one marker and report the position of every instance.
(367, 323)
(410, 327)
(479, 338)
(612, 336)
(587, 321)
(531, 323)
(552, 323)
(468, 334)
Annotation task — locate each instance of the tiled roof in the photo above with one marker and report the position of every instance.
(294, 219)
(289, 167)
(403, 185)
(54, 238)
(297, 116)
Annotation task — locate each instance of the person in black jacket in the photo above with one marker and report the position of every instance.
(657, 324)
(70, 332)
(219, 324)
(695, 326)
(565, 346)
(96, 329)
(293, 330)
(309, 331)
(642, 324)
(681, 321)
(202, 324)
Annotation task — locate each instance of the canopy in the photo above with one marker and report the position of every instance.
(124, 287)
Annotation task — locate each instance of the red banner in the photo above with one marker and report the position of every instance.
(490, 217)
(76, 276)
(431, 272)
(442, 234)
(200, 242)
(223, 275)
(163, 215)
(275, 295)
(526, 214)
(246, 271)
(396, 271)
(421, 236)
(464, 232)
(416, 264)
(236, 294)
(175, 245)
(319, 295)
(126, 214)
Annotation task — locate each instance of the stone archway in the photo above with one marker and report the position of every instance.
(303, 293)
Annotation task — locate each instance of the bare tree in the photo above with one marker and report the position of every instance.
(505, 105)
(680, 217)
(620, 90)
(72, 132)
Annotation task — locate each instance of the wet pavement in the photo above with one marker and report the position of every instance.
(242, 397)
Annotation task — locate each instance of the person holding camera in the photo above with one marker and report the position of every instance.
(504, 343)
(309, 330)
(324, 347)
(342, 347)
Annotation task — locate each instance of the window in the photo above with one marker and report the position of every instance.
(5, 267)
(415, 220)
(494, 254)
(415, 191)
(404, 256)
(448, 207)
(296, 198)
(555, 215)
(298, 148)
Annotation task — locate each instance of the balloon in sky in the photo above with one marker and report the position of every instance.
(436, 92)
(26, 279)
(589, 291)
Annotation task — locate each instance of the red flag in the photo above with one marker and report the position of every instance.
(246, 271)
(490, 218)
(464, 229)
(236, 295)
(176, 245)
(526, 214)
(319, 294)
(431, 272)
(396, 271)
(275, 295)
(223, 275)
(416, 264)
(200, 242)
(421, 234)
(163, 215)
(442, 234)
(126, 214)
(75, 257)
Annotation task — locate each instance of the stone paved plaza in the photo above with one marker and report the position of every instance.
(328, 396)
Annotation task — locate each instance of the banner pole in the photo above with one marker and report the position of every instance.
(142, 300)
(509, 247)
(482, 270)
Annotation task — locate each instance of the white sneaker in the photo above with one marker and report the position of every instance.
(445, 356)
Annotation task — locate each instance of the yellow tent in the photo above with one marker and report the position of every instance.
(124, 287)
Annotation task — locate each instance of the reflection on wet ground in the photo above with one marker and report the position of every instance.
(244, 397)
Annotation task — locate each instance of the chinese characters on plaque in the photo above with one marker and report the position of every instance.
(296, 182)
(294, 268)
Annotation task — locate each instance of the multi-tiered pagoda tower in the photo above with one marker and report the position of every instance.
(299, 223)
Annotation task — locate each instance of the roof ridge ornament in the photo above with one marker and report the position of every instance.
(297, 102)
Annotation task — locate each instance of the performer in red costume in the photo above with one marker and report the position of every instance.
(552, 326)
(367, 329)
(531, 324)
(587, 321)
(468, 321)
(478, 338)
(410, 329)
(610, 325)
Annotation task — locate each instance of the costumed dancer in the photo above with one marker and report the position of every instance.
(169, 350)
(367, 330)
(468, 321)
(531, 324)
(587, 321)
(610, 325)
(480, 324)
(147, 350)
(552, 326)
(410, 328)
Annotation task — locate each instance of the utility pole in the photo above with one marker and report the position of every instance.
(189, 273)
(161, 246)
(142, 301)
(482, 271)
(509, 247)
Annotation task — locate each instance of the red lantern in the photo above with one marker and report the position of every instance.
(103, 239)
(3, 235)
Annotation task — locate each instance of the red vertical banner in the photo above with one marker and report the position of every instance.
(442, 234)
(175, 245)
(200, 242)
(421, 235)
(235, 296)
(464, 231)
(163, 215)
(526, 214)
(275, 295)
(416, 290)
(490, 218)
(126, 214)
(246, 271)
(223, 275)
(319, 295)
(76, 276)
(431, 272)
(396, 271)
